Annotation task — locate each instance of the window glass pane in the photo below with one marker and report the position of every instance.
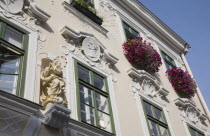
(193, 132)
(136, 34)
(9, 64)
(102, 103)
(129, 35)
(13, 36)
(126, 27)
(148, 109)
(8, 83)
(86, 95)
(200, 134)
(83, 74)
(98, 82)
(163, 131)
(87, 114)
(159, 115)
(104, 121)
(153, 128)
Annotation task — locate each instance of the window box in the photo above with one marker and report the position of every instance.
(142, 55)
(87, 12)
(182, 82)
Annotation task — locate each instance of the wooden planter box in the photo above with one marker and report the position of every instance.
(87, 13)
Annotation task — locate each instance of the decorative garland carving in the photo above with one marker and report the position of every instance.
(20, 14)
(104, 61)
(144, 83)
(190, 112)
(53, 84)
(108, 13)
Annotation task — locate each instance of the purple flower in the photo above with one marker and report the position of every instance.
(182, 81)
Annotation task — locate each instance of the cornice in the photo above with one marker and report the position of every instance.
(153, 23)
(19, 104)
(99, 28)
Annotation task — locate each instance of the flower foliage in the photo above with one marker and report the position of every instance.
(143, 54)
(182, 81)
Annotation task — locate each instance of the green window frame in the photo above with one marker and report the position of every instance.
(195, 132)
(130, 33)
(169, 62)
(93, 98)
(155, 117)
(13, 56)
(89, 2)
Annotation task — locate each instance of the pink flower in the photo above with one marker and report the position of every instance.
(182, 81)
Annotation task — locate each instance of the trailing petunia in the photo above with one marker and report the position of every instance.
(182, 81)
(142, 54)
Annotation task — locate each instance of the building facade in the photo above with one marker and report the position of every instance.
(63, 72)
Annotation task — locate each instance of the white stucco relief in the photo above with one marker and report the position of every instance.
(146, 84)
(12, 6)
(89, 49)
(108, 12)
(190, 113)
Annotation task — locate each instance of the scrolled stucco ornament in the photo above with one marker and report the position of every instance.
(12, 6)
(148, 88)
(53, 84)
(91, 49)
(192, 114)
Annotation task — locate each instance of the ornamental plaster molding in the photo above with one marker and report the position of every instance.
(53, 84)
(190, 112)
(88, 48)
(144, 83)
(19, 104)
(109, 14)
(82, 20)
(27, 14)
(57, 116)
(34, 11)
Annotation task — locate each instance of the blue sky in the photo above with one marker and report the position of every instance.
(190, 19)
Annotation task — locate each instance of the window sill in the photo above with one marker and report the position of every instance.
(87, 13)
(22, 105)
(83, 17)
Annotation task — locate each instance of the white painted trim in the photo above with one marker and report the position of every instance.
(29, 88)
(84, 18)
(72, 88)
(138, 96)
(30, 79)
(123, 15)
(186, 123)
(200, 96)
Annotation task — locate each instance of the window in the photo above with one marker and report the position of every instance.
(169, 62)
(93, 99)
(130, 33)
(195, 132)
(156, 120)
(12, 57)
(91, 3)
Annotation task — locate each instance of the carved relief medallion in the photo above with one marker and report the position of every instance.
(12, 6)
(91, 49)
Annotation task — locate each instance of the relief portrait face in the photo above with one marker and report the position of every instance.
(12, 6)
